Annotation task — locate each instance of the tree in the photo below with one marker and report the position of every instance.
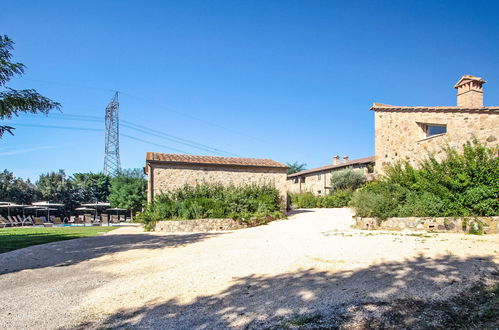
(296, 167)
(56, 187)
(128, 190)
(13, 102)
(90, 187)
(347, 179)
(16, 190)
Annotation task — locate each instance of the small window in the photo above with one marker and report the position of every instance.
(302, 179)
(296, 180)
(431, 129)
(318, 176)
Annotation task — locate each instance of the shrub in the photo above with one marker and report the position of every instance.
(251, 204)
(347, 179)
(464, 184)
(339, 198)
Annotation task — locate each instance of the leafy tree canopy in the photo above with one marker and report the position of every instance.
(128, 190)
(12, 101)
(91, 187)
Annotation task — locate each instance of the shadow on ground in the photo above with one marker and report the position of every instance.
(389, 295)
(65, 253)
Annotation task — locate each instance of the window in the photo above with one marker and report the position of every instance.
(318, 176)
(302, 179)
(296, 180)
(434, 129)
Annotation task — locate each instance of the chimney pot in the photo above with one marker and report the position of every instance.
(470, 91)
(345, 159)
(336, 160)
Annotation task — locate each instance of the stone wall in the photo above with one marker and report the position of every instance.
(489, 225)
(400, 136)
(200, 225)
(167, 177)
(317, 182)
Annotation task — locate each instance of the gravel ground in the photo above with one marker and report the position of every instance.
(309, 263)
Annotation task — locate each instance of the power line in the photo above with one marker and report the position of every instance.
(156, 105)
(149, 131)
(73, 128)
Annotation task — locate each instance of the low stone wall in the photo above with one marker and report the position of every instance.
(199, 225)
(487, 225)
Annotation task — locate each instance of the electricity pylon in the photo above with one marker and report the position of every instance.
(112, 154)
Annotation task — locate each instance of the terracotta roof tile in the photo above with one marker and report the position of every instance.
(365, 160)
(387, 107)
(215, 160)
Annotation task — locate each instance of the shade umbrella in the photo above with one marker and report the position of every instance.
(8, 206)
(48, 205)
(36, 208)
(97, 205)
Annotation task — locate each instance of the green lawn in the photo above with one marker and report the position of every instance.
(17, 238)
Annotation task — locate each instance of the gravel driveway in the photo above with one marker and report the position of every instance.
(311, 262)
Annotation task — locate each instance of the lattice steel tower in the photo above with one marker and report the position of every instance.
(112, 154)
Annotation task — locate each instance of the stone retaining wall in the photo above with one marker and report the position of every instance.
(487, 225)
(200, 225)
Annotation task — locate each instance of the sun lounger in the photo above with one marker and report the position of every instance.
(25, 221)
(57, 221)
(38, 221)
(104, 219)
(14, 221)
(4, 222)
(88, 219)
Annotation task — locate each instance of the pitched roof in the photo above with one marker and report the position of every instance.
(387, 107)
(212, 160)
(365, 160)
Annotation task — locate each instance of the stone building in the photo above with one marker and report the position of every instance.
(410, 133)
(166, 172)
(317, 180)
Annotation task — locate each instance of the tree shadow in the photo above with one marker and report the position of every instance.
(70, 252)
(336, 298)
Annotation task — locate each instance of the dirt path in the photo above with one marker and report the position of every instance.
(311, 262)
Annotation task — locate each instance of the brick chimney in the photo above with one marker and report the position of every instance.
(470, 92)
(336, 160)
(345, 159)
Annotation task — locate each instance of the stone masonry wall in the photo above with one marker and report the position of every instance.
(316, 183)
(200, 225)
(399, 136)
(489, 225)
(170, 177)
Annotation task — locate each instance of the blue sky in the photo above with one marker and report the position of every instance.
(287, 80)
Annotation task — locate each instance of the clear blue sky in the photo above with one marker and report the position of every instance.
(287, 80)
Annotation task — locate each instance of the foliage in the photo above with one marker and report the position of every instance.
(128, 190)
(296, 167)
(247, 204)
(91, 187)
(56, 187)
(17, 238)
(347, 179)
(13, 102)
(464, 184)
(338, 198)
(16, 190)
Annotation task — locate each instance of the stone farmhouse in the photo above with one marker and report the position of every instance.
(409, 133)
(317, 180)
(166, 172)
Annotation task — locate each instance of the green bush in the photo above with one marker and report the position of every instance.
(250, 204)
(339, 198)
(464, 184)
(347, 179)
